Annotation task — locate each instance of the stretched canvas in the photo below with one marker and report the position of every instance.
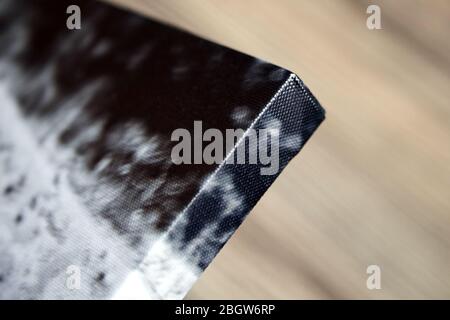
(88, 182)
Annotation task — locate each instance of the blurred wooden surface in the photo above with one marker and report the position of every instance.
(372, 186)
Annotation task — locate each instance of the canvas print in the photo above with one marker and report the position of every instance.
(95, 179)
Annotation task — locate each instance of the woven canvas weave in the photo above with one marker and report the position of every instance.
(86, 174)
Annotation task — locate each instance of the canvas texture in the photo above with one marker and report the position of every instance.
(86, 174)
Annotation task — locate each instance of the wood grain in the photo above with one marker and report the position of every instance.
(372, 186)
